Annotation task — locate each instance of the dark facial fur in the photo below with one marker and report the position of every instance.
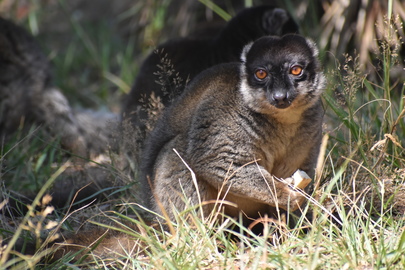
(289, 73)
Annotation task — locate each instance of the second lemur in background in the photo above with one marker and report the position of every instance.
(166, 71)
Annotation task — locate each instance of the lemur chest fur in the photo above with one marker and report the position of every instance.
(284, 150)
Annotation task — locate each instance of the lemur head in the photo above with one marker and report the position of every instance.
(280, 73)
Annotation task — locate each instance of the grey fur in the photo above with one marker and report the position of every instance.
(228, 131)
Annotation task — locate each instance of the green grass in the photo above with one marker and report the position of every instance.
(361, 180)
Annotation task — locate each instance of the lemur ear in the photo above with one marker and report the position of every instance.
(245, 51)
(313, 46)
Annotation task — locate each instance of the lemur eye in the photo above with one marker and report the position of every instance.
(296, 70)
(261, 74)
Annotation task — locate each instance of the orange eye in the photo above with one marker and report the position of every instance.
(296, 70)
(261, 74)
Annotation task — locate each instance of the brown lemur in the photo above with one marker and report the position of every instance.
(189, 56)
(166, 71)
(241, 128)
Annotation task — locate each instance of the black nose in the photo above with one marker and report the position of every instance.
(279, 97)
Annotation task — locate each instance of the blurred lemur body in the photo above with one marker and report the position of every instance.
(28, 95)
(240, 128)
(167, 70)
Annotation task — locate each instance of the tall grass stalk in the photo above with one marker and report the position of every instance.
(30, 213)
